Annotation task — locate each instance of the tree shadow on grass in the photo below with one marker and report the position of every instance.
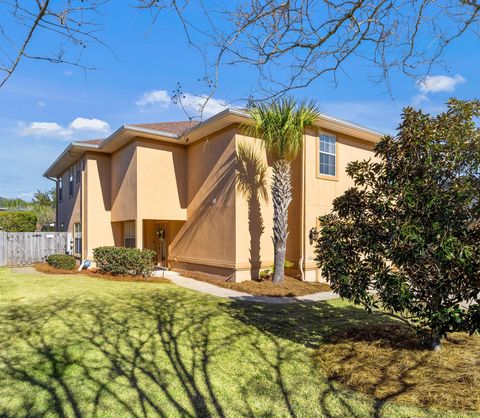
(164, 354)
(172, 353)
(305, 323)
(145, 356)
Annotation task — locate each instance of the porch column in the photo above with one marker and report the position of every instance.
(139, 233)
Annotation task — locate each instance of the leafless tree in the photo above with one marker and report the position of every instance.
(291, 43)
(54, 31)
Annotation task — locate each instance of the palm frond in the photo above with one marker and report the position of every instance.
(282, 125)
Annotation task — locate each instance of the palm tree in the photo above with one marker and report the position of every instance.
(281, 125)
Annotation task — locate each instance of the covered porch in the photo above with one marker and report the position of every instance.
(157, 235)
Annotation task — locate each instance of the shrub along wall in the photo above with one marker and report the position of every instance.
(61, 261)
(18, 221)
(120, 260)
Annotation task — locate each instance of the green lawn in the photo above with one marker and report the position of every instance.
(77, 346)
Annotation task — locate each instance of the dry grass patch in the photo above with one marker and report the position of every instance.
(47, 269)
(264, 287)
(387, 362)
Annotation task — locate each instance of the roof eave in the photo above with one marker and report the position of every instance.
(81, 147)
(324, 121)
(151, 131)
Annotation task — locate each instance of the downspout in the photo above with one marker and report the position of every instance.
(302, 235)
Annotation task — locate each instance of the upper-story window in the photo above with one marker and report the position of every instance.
(78, 171)
(60, 188)
(328, 155)
(70, 182)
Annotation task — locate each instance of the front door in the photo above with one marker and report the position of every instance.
(161, 243)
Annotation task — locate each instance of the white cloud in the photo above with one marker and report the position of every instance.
(41, 104)
(154, 97)
(78, 127)
(440, 83)
(196, 104)
(43, 129)
(160, 99)
(95, 125)
(436, 84)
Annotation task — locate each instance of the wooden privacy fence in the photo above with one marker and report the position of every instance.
(24, 248)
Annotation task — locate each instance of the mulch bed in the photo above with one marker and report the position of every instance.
(389, 362)
(47, 269)
(291, 286)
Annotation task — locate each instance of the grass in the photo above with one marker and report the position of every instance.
(291, 287)
(75, 346)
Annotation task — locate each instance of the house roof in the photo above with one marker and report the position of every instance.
(184, 132)
(177, 128)
(91, 141)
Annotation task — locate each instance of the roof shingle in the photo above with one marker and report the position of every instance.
(177, 128)
(91, 141)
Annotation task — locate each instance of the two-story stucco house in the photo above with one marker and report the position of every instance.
(171, 187)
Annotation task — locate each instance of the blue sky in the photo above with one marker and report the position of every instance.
(45, 106)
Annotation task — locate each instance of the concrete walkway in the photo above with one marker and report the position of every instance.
(222, 292)
(218, 291)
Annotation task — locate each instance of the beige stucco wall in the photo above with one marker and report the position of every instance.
(161, 180)
(97, 228)
(123, 174)
(208, 235)
(321, 191)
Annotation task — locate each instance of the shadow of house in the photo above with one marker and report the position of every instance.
(251, 181)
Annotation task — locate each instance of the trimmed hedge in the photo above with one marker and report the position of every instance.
(62, 261)
(18, 221)
(121, 260)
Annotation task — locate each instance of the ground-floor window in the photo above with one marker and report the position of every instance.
(77, 238)
(129, 234)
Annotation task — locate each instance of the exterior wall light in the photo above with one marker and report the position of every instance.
(313, 235)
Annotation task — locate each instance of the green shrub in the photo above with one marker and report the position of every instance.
(406, 238)
(267, 273)
(62, 261)
(287, 265)
(121, 260)
(18, 221)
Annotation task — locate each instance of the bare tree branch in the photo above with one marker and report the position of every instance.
(30, 30)
(291, 43)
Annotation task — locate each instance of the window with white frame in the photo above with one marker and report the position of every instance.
(77, 237)
(129, 234)
(328, 155)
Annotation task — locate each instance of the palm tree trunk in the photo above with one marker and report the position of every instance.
(281, 196)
